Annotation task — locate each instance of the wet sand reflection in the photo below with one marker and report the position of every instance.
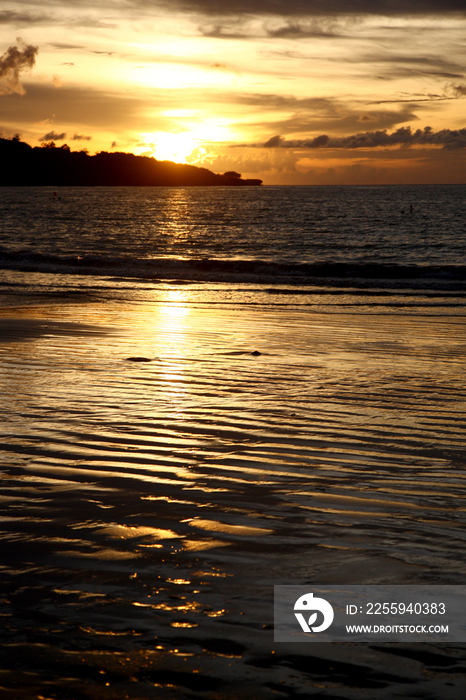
(147, 509)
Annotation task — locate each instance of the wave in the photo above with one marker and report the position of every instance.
(242, 270)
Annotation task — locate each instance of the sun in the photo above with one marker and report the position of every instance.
(169, 146)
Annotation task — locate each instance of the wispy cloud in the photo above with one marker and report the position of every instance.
(22, 18)
(450, 91)
(289, 114)
(393, 66)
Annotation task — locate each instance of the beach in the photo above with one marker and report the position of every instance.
(233, 350)
(167, 460)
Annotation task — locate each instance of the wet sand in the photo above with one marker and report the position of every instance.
(148, 508)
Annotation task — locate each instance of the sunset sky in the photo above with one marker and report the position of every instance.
(290, 91)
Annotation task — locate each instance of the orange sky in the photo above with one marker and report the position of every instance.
(292, 92)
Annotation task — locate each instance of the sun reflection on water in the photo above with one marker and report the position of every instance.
(172, 329)
(172, 320)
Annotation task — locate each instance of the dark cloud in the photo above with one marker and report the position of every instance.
(281, 8)
(450, 92)
(274, 142)
(401, 72)
(404, 59)
(22, 18)
(404, 136)
(309, 30)
(53, 136)
(91, 23)
(14, 61)
(313, 8)
(280, 142)
(219, 31)
(59, 45)
(459, 90)
(53, 17)
(81, 137)
(368, 118)
(272, 101)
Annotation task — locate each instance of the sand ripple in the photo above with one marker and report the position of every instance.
(176, 493)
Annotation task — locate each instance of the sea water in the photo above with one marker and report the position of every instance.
(207, 392)
(231, 234)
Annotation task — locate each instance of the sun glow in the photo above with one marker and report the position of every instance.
(168, 146)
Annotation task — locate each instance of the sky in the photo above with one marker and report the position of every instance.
(288, 91)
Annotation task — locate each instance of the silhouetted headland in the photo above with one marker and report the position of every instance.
(21, 164)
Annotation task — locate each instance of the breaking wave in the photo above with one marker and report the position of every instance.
(239, 270)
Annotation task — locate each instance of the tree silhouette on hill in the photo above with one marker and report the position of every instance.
(57, 166)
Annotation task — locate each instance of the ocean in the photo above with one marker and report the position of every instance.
(207, 392)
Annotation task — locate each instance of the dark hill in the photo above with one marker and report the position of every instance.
(20, 164)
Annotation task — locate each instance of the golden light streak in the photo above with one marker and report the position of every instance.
(168, 146)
